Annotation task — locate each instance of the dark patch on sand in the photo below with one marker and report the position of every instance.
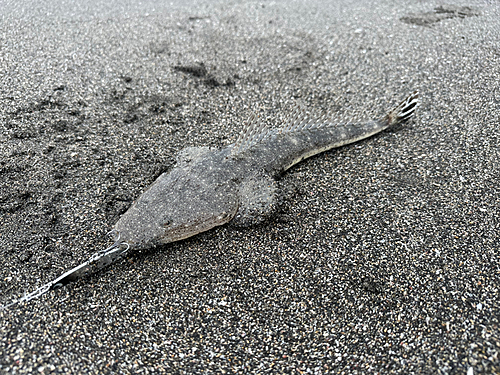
(440, 13)
(197, 18)
(372, 286)
(209, 79)
(199, 70)
(160, 48)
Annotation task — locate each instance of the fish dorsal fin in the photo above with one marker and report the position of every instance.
(254, 132)
(300, 119)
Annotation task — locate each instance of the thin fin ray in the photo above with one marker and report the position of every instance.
(254, 132)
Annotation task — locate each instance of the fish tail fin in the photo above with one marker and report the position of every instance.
(403, 111)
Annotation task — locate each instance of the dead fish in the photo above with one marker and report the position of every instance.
(237, 184)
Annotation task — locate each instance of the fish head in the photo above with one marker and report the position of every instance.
(178, 205)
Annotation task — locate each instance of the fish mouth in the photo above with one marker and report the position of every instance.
(177, 232)
(151, 233)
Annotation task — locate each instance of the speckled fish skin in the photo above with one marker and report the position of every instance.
(211, 187)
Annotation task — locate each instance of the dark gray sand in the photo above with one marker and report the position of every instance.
(383, 260)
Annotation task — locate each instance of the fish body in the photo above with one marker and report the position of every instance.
(212, 187)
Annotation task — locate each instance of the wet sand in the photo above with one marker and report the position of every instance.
(384, 257)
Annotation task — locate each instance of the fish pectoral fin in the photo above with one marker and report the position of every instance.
(190, 154)
(258, 200)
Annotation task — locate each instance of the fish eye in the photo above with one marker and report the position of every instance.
(167, 223)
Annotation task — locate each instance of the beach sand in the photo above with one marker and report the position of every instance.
(384, 257)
